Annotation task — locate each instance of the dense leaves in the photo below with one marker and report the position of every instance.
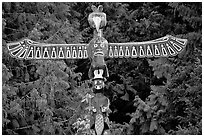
(147, 96)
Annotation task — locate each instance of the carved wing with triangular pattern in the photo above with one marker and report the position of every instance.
(28, 49)
(162, 47)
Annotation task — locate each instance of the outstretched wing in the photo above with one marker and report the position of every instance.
(162, 47)
(28, 49)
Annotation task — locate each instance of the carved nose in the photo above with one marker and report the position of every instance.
(97, 22)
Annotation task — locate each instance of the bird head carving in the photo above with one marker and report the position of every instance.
(97, 19)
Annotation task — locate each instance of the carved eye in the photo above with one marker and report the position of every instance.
(102, 45)
(94, 110)
(95, 45)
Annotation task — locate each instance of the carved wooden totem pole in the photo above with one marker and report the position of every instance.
(96, 50)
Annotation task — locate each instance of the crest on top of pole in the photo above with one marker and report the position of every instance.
(95, 9)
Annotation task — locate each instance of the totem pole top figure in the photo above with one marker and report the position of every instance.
(98, 46)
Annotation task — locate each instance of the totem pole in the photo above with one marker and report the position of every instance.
(96, 50)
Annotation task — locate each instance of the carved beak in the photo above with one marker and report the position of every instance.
(97, 22)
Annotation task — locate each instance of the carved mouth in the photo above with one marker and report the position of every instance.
(99, 53)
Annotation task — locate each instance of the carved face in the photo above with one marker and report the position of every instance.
(98, 84)
(97, 47)
(98, 81)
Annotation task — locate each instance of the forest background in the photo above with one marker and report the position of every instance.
(147, 96)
